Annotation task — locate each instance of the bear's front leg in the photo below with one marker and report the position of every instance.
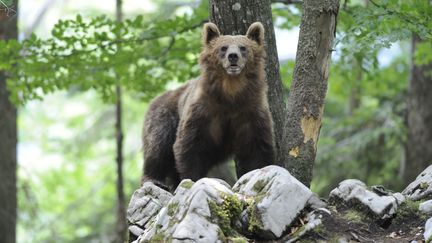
(193, 148)
(254, 143)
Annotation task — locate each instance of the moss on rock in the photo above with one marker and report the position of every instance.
(172, 208)
(353, 216)
(226, 213)
(408, 209)
(187, 184)
(259, 185)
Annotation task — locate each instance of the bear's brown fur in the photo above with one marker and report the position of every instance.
(222, 113)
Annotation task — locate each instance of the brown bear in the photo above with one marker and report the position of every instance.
(222, 114)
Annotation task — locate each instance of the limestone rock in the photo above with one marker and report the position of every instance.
(428, 230)
(275, 197)
(145, 204)
(400, 198)
(355, 192)
(189, 215)
(426, 207)
(315, 202)
(422, 186)
(135, 230)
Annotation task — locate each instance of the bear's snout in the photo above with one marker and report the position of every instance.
(233, 58)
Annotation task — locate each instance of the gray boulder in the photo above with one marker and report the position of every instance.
(422, 186)
(426, 207)
(193, 214)
(355, 192)
(275, 199)
(144, 205)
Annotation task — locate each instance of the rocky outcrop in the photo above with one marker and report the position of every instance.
(421, 188)
(271, 205)
(210, 211)
(354, 192)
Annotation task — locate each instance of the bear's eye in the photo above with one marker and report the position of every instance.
(224, 48)
(242, 48)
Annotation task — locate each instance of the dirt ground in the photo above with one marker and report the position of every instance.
(348, 225)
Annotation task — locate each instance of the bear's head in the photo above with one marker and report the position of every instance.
(233, 54)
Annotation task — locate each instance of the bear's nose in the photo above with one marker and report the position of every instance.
(233, 57)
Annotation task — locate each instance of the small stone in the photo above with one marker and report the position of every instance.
(426, 207)
(236, 6)
(315, 203)
(428, 230)
(135, 230)
(400, 198)
(343, 240)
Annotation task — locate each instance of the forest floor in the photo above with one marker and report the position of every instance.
(348, 225)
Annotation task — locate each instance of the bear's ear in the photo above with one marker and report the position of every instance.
(256, 33)
(210, 32)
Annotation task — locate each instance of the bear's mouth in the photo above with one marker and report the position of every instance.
(233, 69)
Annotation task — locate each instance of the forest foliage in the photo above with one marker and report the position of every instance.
(362, 134)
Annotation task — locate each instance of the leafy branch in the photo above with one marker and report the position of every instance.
(87, 55)
(413, 20)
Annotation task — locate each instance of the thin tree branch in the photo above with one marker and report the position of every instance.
(288, 1)
(7, 9)
(168, 48)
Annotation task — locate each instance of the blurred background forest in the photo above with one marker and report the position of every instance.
(71, 55)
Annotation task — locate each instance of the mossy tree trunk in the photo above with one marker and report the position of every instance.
(418, 147)
(309, 86)
(233, 17)
(8, 137)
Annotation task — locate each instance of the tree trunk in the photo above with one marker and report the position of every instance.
(309, 86)
(233, 17)
(8, 138)
(418, 148)
(121, 226)
(355, 92)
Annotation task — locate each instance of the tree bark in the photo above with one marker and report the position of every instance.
(8, 139)
(121, 225)
(418, 147)
(309, 86)
(233, 17)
